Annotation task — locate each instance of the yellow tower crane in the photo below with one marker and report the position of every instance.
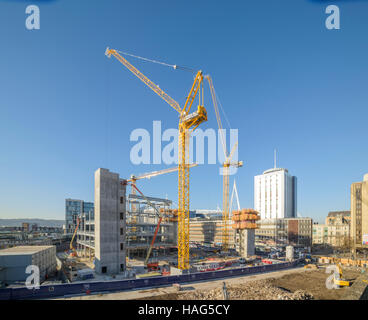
(187, 123)
(226, 170)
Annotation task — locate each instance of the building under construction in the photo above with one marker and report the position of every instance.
(241, 235)
(86, 235)
(208, 231)
(142, 220)
(124, 225)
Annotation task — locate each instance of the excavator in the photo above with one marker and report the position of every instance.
(339, 281)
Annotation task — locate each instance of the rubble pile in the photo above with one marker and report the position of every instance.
(255, 290)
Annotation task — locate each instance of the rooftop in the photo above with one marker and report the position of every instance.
(275, 169)
(23, 250)
(338, 213)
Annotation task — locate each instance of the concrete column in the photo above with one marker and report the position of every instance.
(247, 243)
(110, 217)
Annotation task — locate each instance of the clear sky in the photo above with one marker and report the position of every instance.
(284, 80)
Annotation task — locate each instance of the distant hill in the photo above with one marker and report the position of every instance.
(39, 222)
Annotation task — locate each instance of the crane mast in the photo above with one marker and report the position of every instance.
(187, 123)
(226, 190)
(226, 172)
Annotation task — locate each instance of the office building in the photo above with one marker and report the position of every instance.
(338, 228)
(25, 226)
(359, 213)
(320, 234)
(335, 232)
(76, 208)
(275, 194)
(282, 232)
(14, 262)
(208, 231)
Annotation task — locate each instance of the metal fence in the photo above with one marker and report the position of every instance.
(60, 290)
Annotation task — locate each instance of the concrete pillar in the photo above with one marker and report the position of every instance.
(289, 253)
(110, 226)
(247, 243)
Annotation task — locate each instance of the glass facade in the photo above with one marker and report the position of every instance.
(89, 210)
(75, 208)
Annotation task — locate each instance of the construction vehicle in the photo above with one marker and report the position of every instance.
(226, 170)
(73, 252)
(153, 266)
(188, 122)
(339, 280)
(165, 270)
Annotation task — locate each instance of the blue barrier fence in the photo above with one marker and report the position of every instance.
(59, 290)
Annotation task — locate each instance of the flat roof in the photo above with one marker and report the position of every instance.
(275, 169)
(338, 213)
(23, 250)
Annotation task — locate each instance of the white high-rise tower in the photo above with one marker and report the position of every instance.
(275, 194)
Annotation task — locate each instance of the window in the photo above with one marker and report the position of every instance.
(104, 269)
(121, 215)
(121, 231)
(121, 246)
(122, 267)
(121, 200)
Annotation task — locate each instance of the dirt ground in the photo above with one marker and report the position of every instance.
(290, 284)
(308, 285)
(314, 282)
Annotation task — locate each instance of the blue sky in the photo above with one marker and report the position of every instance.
(284, 80)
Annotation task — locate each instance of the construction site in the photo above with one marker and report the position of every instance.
(136, 236)
(139, 235)
(132, 241)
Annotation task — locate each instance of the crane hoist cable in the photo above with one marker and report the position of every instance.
(174, 66)
(223, 112)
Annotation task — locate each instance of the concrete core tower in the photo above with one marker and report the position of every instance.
(110, 222)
